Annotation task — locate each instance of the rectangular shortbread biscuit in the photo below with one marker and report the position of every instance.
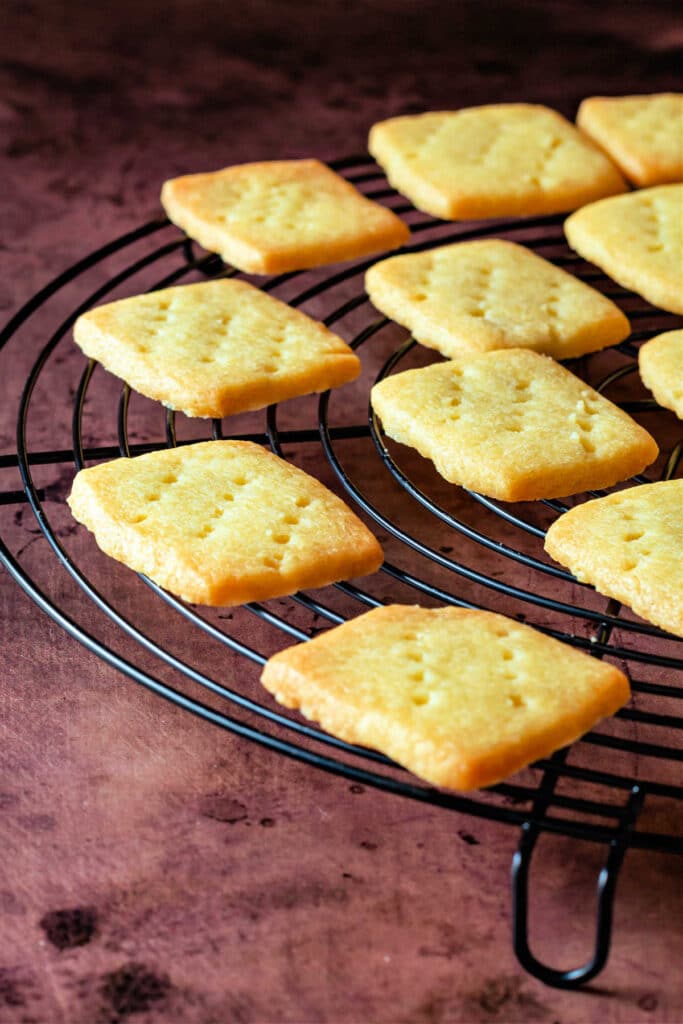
(643, 135)
(513, 425)
(628, 545)
(461, 698)
(637, 240)
(488, 294)
(660, 361)
(280, 215)
(215, 348)
(222, 522)
(502, 160)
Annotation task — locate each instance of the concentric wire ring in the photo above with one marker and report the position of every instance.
(589, 802)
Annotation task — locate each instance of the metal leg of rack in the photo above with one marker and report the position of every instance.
(606, 888)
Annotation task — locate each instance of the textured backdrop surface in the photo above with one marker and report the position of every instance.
(154, 868)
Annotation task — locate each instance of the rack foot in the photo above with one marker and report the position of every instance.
(606, 887)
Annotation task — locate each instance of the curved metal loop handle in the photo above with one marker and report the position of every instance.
(606, 886)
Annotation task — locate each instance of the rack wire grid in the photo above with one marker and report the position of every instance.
(472, 551)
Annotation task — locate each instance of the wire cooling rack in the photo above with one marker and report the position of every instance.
(444, 546)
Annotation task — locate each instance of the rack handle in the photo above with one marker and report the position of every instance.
(606, 887)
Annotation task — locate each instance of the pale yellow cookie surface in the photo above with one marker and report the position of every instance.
(222, 522)
(643, 135)
(483, 295)
(513, 425)
(215, 348)
(280, 215)
(628, 545)
(637, 240)
(506, 159)
(660, 361)
(461, 698)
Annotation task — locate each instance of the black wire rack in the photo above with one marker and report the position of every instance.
(493, 558)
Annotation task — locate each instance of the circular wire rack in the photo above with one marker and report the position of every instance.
(444, 545)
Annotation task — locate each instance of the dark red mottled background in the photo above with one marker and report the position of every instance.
(151, 867)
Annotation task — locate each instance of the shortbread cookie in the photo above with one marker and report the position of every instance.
(503, 160)
(513, 425)
(462, 698)
(660, 362)
(268, 218)
(478, 296)
(637, 240)
(222, 522)
(215, 348)
(643, 135)
(628, 545)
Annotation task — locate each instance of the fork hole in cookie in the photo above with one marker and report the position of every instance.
(420, 699)
(516, 701)
(302, 502)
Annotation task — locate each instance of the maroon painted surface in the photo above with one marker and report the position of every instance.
(153, 868)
